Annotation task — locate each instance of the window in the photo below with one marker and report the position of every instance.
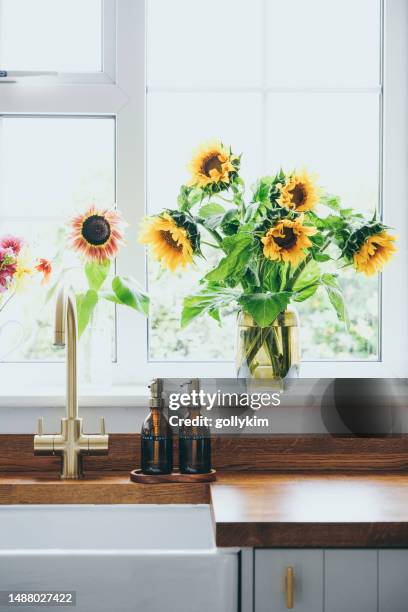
(283, 94)
(131, 87)
(29, 30)
(71, 132)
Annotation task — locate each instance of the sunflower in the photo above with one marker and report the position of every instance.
(287, 240)
(212, 164)
(97, 234)
(171, 244)
(299, 192)
(374, 252)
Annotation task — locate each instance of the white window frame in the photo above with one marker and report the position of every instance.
(120, 91)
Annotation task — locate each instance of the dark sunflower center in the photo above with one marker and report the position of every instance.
(96, 230)
(298, 194)
(213, 163)
(168, 238)
(288, 240)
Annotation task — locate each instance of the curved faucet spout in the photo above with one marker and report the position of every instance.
(65, 334)
(72, 443)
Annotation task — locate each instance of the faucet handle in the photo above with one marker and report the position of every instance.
(40, 426)
(102, 426)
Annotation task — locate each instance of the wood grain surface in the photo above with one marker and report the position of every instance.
(40, 488)
(279, 453)
(322, 510)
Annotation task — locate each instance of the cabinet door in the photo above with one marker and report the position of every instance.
(350, 580)
(271, 566)
(393, 580)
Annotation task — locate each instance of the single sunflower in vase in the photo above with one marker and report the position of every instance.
(97, 234)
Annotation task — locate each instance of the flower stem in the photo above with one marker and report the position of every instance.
(217, 195)
(214, 246)
(291, 282)
(215, 235)
(2, 307)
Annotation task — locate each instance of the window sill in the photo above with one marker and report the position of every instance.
(132, 396)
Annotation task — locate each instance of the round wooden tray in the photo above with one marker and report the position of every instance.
(137, 476)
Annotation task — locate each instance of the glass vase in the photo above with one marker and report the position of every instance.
(271, 352)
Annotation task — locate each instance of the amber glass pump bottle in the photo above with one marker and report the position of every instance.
(194, 437)
(156, 438)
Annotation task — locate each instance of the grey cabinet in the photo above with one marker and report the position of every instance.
(331, 580)
(350, 581)
(393, 580)
(271, 566)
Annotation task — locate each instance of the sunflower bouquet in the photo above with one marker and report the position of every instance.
(277, 247)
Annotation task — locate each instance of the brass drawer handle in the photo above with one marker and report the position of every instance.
(290, 588)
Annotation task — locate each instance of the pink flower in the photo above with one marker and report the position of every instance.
(6, 276)
(11, 242)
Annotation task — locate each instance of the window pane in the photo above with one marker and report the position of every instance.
(316, 42)
(336, 135)
(57, 35)
(50, 169)
(216, 43)
(49, 165)
(176, 124)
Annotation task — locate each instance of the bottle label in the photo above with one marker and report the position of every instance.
(152, 438)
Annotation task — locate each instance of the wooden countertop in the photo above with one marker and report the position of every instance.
(322, 510)
(252, 508)
(37, 488)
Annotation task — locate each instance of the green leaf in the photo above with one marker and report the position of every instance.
(331, 201)
(96, 273)
(86, 303)
(188, 197)
(210, 209)
(129, 293)
(239, 251)
(321, 257)
(209, 301)
(265, 307)
(310, 275)
(306, 293)
(220, 220)
(333, 289)
(215, 314)
(251, 211)
(262, 188)
(272, 275)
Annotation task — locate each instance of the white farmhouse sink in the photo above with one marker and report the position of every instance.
(139, 558)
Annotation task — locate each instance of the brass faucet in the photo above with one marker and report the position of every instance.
(71, 444)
